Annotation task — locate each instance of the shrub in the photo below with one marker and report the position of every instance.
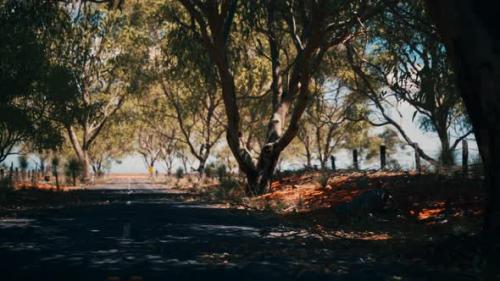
(229, 188)
(23, 165)
(221, 172)
(179, 173)
(73, 169)
(323, 179)
(210, 170)
(6, 185)
(229, 184)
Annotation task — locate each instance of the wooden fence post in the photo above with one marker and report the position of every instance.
(34, 177)
(332, 160)
(465, 158)
(11, 171)
(355, 159)
(16, 173)
(382, 157)
(418, 166)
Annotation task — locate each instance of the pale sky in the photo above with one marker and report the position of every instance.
(428, 141)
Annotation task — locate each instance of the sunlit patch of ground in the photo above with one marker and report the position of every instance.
(424, 197)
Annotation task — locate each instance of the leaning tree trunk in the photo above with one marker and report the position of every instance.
(470, 32)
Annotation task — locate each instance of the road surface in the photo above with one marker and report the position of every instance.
(130, 236)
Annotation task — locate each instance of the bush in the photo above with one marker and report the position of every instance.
(210, 170)
(73, 169)
(228, 185)
(323, 179)
(23, 165)
(179, 173)
(6, 184)
(221, 172)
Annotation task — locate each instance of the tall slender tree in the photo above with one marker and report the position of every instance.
(96, 50)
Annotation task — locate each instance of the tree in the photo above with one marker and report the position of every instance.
(156, 128)
(55, 169)
(190, 87)
(309, 28)
(197, 116)
(168, 151)
(97, 50)
(115, 141)
(325, 124)
(24, 66)
(74, 169)
(380, 110)
(149, 146)
(470, 33)
(23, 166)
(405, 56)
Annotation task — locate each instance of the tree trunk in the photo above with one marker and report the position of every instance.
(201, 169)
(446, 154)
(81, 153)
(308, 158)
(470, 32)
(85, 166)
(56, 174)
(259, 181)
(168, 164)
(322, 163)
(184, 163)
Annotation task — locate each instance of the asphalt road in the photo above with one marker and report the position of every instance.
(159, 237)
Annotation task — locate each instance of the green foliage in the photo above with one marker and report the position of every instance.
(179, 173)
(23, 163)
(24, 67)
(323, 179)
(73, 169)
(221, 172)
(210, 170)
(6, 186)
(55, 162)
(229, 188)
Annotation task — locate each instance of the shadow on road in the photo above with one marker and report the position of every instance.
(152, 235)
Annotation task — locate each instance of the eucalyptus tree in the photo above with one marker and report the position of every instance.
(98, 51)
(381, 110)
(325, 126)
(149, 146)
(155, 131)
(470, 33)
(196, 109)
(114, 142)
(188, 81)
(24, 67)
(405, 56)
(296, 35)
